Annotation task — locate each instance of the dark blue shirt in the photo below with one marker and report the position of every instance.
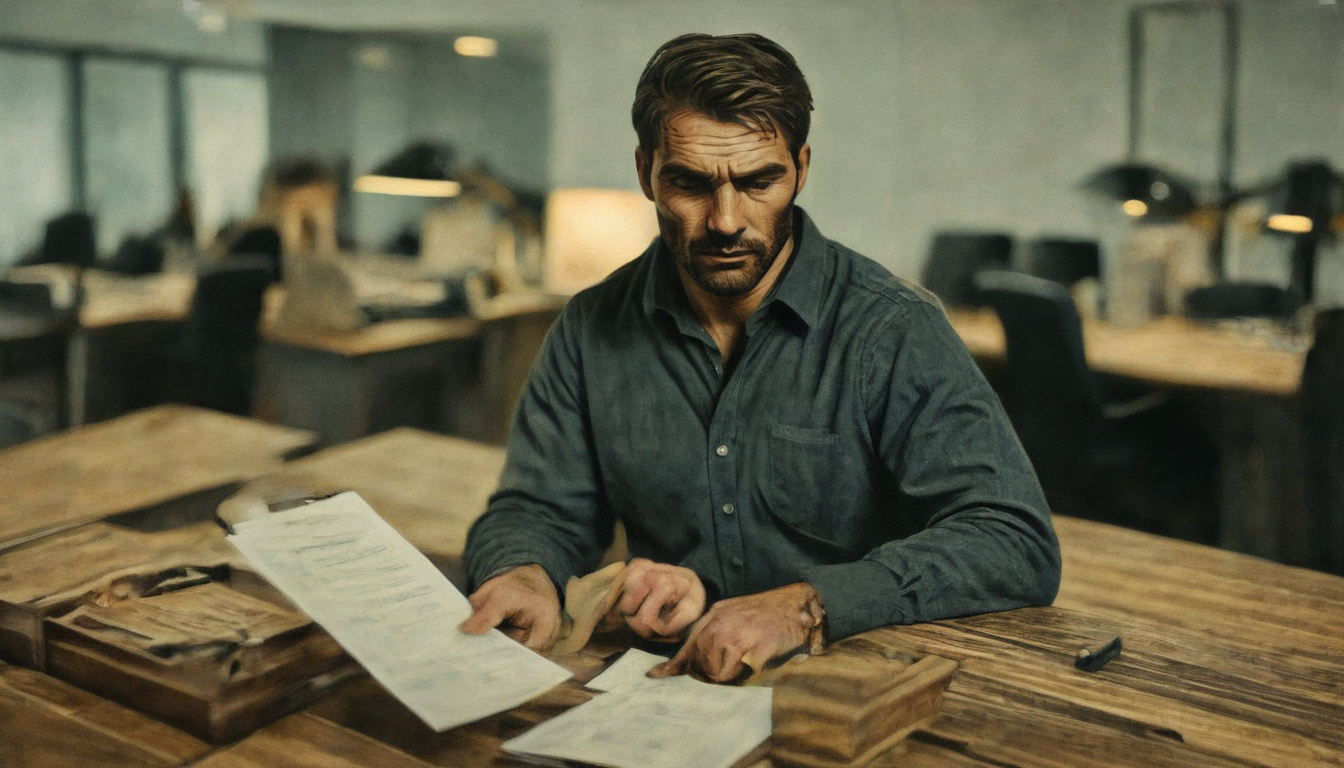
(855, 446)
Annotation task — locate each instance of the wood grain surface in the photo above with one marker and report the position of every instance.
(53, 574)
(136, 461)
(1171, 351)
(45, 723)
(429, 487)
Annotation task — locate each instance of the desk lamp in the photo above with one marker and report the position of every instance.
(1128, 197)
(420, 170)
(1308, 206)
(591, 232)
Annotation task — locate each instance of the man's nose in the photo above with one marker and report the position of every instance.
(725, 211)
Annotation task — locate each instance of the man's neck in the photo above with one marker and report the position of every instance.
(725, 317)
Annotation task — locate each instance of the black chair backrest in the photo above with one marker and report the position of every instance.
(1051, 394)
(956, 257)
(1323, 433)
(220, 338)
(26, 298)
(69, 239)
(138, 256)
(226, 306)
(1064, 261)
(260, 241)
(1229, 300)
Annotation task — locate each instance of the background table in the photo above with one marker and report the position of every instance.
(1243, 385)
(171, 454)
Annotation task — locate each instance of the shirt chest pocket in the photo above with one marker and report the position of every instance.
(813, 485)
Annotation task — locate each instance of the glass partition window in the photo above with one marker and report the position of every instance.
(34, 155)
(129, 175)
(226, 145)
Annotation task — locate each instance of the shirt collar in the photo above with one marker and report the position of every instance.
(799, 287)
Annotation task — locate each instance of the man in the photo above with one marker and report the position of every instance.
(797, 442)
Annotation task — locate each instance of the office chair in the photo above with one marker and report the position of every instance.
(1063, 260)
(261, 241)
(216, 358)
(1228, 300)
(33, 370)
(955, 258)
(1322, 398)
(69, 239)
(1138, 462)
(137, 256)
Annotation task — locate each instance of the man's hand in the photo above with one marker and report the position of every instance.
(524, 605)
(749, 631)
(660, 600)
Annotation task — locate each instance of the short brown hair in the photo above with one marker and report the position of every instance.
(746, 79)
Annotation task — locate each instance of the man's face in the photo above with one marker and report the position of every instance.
(724, 195)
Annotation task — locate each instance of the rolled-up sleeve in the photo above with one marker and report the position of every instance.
(549, 508)
(987, 543)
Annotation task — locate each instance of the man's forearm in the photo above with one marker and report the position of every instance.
(976, 563)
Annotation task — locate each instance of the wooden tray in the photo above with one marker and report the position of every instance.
(207, 657)
(853, 702)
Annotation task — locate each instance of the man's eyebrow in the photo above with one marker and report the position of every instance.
(773, 169)
(677, 169)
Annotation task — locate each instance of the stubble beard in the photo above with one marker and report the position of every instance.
(727, 280)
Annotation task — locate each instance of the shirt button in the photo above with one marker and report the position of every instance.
(736, 561)
(722, 450)
(728, 509)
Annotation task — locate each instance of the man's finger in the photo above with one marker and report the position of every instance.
(673, 666)
(678, 663)
(485, 618)
(650, 614)
(681, 617)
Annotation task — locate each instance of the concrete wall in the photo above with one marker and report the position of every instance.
(957, 113)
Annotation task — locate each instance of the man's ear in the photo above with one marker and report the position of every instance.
(804, 161)
(644, 166)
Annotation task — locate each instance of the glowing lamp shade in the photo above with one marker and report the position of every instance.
(1287, 222)
(394, 185)
(420, 170)
(591, 232)
(1142, 191)
(479, 47)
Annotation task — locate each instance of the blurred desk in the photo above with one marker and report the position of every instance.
(171, 454)
(458, 375)
(1171, 351)
(1245, 387)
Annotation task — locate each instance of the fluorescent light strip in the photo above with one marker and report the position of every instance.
(393, 185)
(483, 47)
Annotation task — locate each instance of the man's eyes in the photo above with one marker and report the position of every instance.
(691, 184)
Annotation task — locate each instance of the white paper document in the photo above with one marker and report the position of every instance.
(631, 670)
(392, 610)
(670, 723)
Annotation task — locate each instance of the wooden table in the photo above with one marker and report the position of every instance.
(1229, 660)
(1245, 385)
(429, 487)
(457, 375)
(1171, 351)
(166, 456)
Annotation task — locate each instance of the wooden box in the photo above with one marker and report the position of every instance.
(850, 704)
(53, 575)
(206, 657)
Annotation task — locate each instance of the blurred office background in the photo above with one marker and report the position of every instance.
(1004, 130)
